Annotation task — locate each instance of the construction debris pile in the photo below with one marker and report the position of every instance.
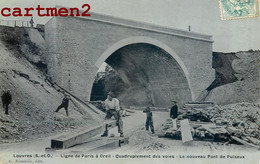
(239, 122)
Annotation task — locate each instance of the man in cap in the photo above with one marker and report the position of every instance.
(64, 104)
(6, 100)
(174, 110)
(111, 105)
(174, 114)
(149, 119)
(113, 109)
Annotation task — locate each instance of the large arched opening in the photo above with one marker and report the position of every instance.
(151, 74)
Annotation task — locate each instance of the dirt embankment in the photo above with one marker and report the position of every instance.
(31, 113)
(238, 81)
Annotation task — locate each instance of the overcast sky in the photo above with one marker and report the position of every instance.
(202, 15)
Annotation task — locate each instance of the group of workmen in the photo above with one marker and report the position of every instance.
(7, 99)
(112, 110)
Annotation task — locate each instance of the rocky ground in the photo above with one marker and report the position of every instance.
(246, 89)
(31, 113)
(142, 141)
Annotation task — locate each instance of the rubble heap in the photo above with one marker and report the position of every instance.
(240, 122)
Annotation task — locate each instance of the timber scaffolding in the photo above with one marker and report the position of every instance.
(92, 138)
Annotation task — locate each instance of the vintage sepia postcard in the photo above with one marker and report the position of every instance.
(148, 81)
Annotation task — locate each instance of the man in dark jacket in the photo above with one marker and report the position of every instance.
(174, 114)
(149, 119)
(64, 104)
(6, 99)
(174, 110)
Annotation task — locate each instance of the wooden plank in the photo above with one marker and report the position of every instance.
(97, 144)
(244, 142)
(254, 140)
(197, 123)
(200, 102)
(201, 123)
(141, 108)
(232, 130)
(79, 136)
(111, 144)
(213, 129)
(185, 131)
(130, 111)
(198, 105)
(89, 105)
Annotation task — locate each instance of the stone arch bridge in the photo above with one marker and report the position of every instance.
(158, 64)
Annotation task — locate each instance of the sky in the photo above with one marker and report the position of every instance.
(202, 15)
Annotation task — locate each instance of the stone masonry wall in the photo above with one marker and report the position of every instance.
(76, 44)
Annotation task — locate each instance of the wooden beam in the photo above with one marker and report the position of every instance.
(110, 144)
(200, 102)
(89, 105)
(244, 142)
(99, 144)
(80, 136)
(198, 105)
(141, 108)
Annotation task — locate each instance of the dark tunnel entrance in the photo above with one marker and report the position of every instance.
(142, 75)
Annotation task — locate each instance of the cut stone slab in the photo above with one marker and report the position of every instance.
(96, 144)
(80, 136)
(185, 131)
(213, 129)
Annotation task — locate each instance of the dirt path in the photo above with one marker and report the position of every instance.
(37, 145)
(140, 140)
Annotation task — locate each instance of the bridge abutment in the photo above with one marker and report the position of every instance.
(78, 47)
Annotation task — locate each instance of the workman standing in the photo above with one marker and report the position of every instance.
(31, 22)
(6, 100)
(174, 110)
(111, 105)
(174, 114)
(149, 119)
(64, 104)
(113, 109)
